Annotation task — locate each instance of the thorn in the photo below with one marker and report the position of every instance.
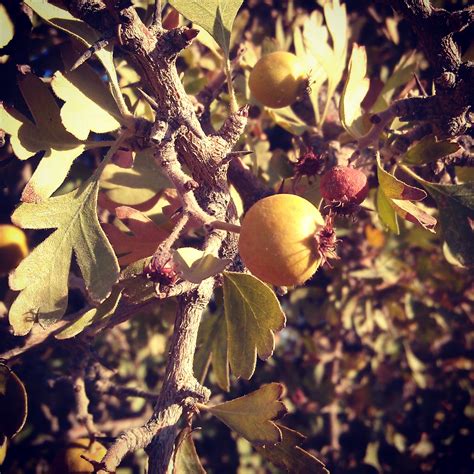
(190, 33)
(149, 99)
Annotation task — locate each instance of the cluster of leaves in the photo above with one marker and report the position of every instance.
(374, 354)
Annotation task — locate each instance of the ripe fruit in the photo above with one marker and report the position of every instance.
(278, 79)
(69, 460)
(13, 247)
(284, 239)
(344, 185)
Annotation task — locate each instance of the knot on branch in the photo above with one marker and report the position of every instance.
(172, 42)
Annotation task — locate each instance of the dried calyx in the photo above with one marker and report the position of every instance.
(326, 241)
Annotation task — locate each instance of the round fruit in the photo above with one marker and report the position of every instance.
(69, 460)
(278, 239)
(13, 247)
(278, 79)
(344, 185)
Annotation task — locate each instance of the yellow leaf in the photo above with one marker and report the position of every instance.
(7, 30)
(85, 106)
(355, 90)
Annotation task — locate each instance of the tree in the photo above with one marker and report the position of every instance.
(155, 109)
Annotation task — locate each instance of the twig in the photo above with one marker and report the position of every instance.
(81, 398)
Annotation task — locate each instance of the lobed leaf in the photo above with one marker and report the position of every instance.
(8, 30)
(101, 312)
(253, 314)
(212, 348)
(456, 212)
(80, 30)
(355, 89)
(290, 456)
(42, 277)
(46, 134)
(429, 150)
(252, 416)
(86, 105)
(136, 185)
(215, 16)
(394, 188)
(186, 459)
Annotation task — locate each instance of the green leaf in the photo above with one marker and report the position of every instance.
(429, 150)
(195, 266)
(397, 194)
(253, 315)
(355, 89)
(252, 416)
(289, 456)
(212, 348)
(80, 30)
(332, 59)
(13, 402)
(8, 30)
(186, 457)
(215, 16)
(456, 210)
(288, 120)
(47, 133)
(386, 212)
(402, 73)
(135, 185)
(3, 448)
(88, 105)
(42, 277)
(395, 188)
(103, 311)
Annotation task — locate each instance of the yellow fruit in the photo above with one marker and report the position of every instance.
(278, 240)
(13, 247)
(69, 460)
(278, 79)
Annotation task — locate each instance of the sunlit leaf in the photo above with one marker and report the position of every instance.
(252, 416)
(397, 189)
(80, 30)
(136, 185)
(8, 30)
(88, 105)
(288, 120)
(3, 448)
(253, 315)
(47, 133)
(103, 311)
(195, 266)
(402, 73)
(290, 456)
(355, 89)
(13, 402)
(215, 16)
(42, 277)
(429, 150)
(386, 212)
(332, 59)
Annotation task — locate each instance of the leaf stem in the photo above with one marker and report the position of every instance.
(228, 73)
